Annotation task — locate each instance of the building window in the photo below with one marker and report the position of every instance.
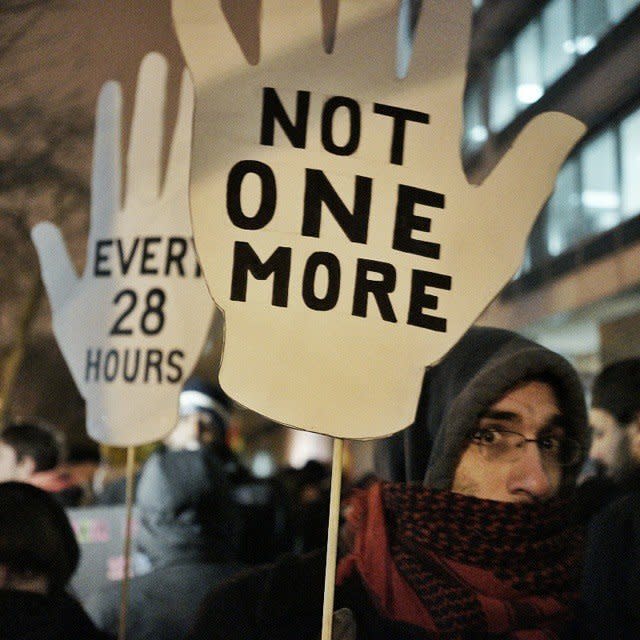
(600, 195)
(630, 143)
(502, 101)
(563, 219)
(592, 21)
(475, 133)
(527, 61)
(558, 50)
(618, 9)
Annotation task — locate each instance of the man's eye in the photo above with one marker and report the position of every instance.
(486, 436)
(549, 443)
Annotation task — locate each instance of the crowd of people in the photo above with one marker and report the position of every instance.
(506, 510)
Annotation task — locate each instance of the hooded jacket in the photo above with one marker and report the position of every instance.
(186, 530)
(284, 601)
(186, 513)
(480, 368)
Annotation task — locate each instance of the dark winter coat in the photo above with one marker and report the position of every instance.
(283, 601)
(31, 616)
(186, 532)
(611, 584)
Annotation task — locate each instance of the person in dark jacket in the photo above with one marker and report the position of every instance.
(468, 537)
(186, 533)
(611, 583)
(38, 556)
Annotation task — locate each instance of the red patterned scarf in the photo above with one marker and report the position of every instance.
(458, 566)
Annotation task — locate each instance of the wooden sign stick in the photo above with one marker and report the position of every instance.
(124, 593)
(332, 539)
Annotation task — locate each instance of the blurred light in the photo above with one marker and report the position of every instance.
(478, 133)
(581, 45)
(595, 199)
(584, 44)
(263, 465)
(529, 93)
(555, 244)
(305, 446)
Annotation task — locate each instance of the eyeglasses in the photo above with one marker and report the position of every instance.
(501, 445)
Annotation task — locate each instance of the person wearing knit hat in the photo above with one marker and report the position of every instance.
(468, 535)
(615, 419)
(204, 411)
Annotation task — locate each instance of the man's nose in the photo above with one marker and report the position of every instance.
(596, 453)
(528, 475)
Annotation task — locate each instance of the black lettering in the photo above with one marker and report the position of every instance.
(267, 207)
(400, 117)
(175, 355)
(100, 258)
(111, 365)
(148, 254)
(318, 190)
(175, 256)
(245, 259)
(332, 265)
(125, 261)
(153, 361)
(328, 112)
(379, 288)
(420, 300)
(93, 365)
(406, 221)
(198, 273)
(273, 110)
(131, 364)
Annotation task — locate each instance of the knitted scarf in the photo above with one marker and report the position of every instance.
(461, 567)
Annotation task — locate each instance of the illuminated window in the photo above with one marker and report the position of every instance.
(475, 134)
(591, 22)
(558, 50)
(630, 141)
(618, 9)
(502, 101)
(563, 219)
(528, 70)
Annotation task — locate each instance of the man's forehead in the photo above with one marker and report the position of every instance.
(530, 400)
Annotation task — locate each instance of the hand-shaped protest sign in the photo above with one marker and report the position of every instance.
(335, 224)
(132, 327)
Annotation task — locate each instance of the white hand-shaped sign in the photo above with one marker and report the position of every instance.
(334, 221)
(132, 327)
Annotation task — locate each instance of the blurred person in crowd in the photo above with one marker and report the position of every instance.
(204, 413)
(469, 538)
(611, 584)
(203, 419)
(615, 419)
(186, 532)
(33, 452)
(38, 556)
(307, 493)
(613, 467)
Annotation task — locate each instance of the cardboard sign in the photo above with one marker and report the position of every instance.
(334, 221)
(132, 327)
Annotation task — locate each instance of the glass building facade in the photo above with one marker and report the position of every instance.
(597, 195)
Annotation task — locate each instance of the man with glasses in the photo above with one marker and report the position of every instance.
(469, 536)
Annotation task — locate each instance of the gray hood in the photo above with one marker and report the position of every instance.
(480, 368)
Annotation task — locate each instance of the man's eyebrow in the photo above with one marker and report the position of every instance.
(558, 421)
(492, 414)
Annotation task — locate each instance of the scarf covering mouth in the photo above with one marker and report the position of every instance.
(459, 566)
